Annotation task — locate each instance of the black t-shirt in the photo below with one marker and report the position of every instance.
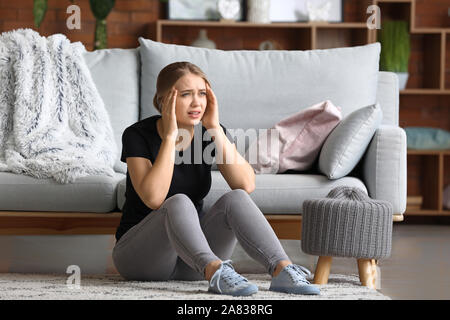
(191, 177)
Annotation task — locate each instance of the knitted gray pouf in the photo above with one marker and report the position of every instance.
(347, 223)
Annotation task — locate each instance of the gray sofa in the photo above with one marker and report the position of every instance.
(255, 89)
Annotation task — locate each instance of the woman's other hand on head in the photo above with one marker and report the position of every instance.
(210, 118)
(169, 119)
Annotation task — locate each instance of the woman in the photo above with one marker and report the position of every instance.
(164, 233)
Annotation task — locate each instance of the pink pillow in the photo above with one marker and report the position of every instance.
(295, 141)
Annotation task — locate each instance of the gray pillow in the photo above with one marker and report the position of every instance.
(347, 143)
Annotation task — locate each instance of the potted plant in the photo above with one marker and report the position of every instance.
(100, 9)
(395, 49)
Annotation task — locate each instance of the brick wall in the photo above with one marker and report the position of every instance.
(128, 20)
(432, 13)
(131, 19)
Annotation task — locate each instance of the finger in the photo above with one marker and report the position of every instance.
(174, 101)
(167, 99)
(170, 95)
(209, 90)
(174, 96)
(164, 100)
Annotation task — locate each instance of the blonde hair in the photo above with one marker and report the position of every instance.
(169, 75)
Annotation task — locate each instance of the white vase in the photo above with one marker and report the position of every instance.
(319, 12)
(258, 11)
(202, 41)
(402, 79)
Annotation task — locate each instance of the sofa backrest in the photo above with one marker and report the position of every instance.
(256, 89)
(116, 74)
(388, 97)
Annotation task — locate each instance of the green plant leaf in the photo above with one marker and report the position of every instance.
(39, 10)
(101, 8)
(395, 46)
(101, 35)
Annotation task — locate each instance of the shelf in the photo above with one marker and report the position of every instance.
(393, 1)
(395, 10)
(425, 61)
(429, 30)
(249, 38)
(420, 212)
(423, 16)
(328, 38)
(355, 10)
(425, 91)
(446, 177)
(425, 179)
(425, 110)
(447, 62)
(246, 24)
(428, 175)
(431, 14)
(428, 152)
(286, 36)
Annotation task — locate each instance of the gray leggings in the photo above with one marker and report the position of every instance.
(172, 242)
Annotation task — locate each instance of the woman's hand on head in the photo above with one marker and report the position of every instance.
(210, 118)
(169, 119)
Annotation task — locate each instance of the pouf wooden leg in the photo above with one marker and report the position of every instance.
(367, 272)
(322, 270)
(374, 273)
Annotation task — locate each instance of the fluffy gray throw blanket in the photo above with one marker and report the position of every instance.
(53, 123)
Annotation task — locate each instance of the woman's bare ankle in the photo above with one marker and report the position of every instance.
(281, 264)
(211, 268)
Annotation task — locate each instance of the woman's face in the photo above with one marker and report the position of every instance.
(191, 98)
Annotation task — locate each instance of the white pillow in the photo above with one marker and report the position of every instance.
(346, 144)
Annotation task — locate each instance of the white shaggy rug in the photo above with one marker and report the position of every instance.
(18, 286)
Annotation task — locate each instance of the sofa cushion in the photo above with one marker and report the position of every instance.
(274, 193)
(294, 142)
(347, 143)
(256, 89)
(116, 74)
(282, 193)
(87, 194)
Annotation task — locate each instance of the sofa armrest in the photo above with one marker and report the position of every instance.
(384, 167)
